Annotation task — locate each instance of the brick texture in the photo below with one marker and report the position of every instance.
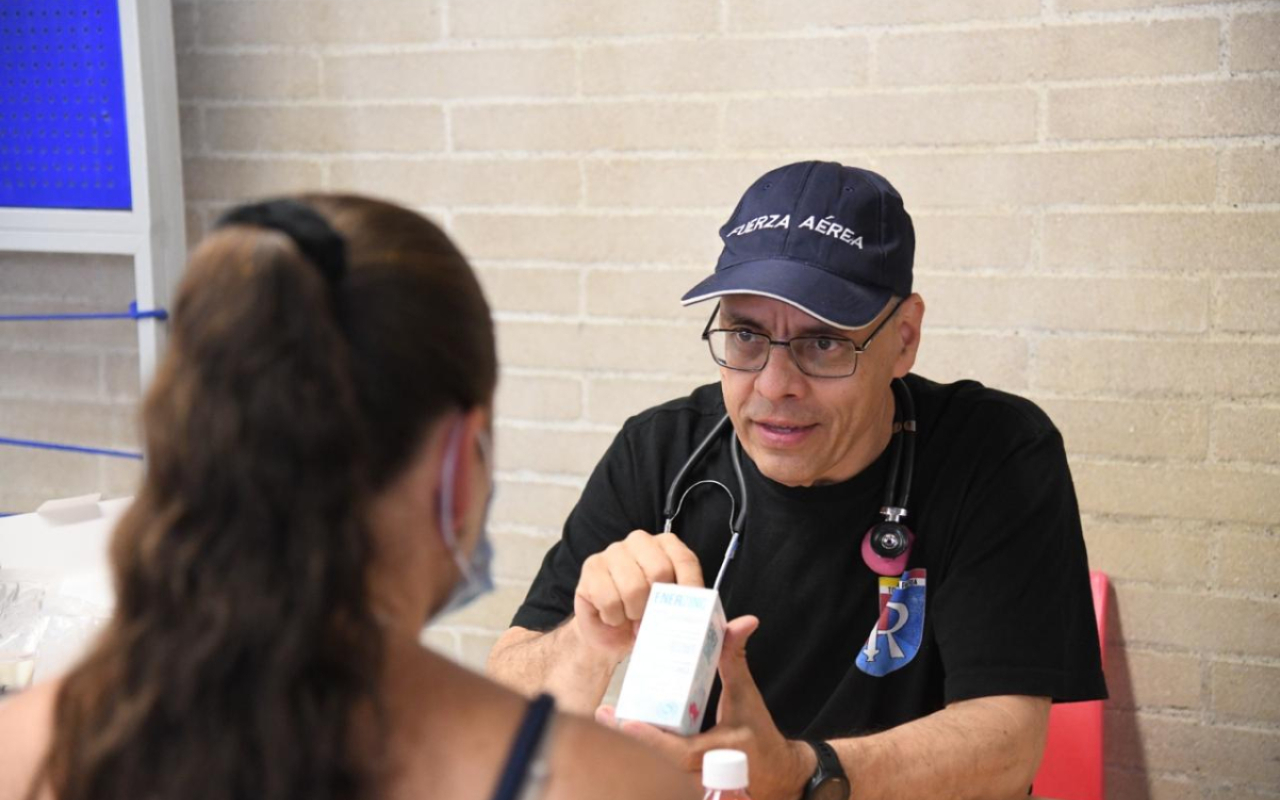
(1250, 175)
(1069, 303)
(644, 293)
(450, 74)
(968, 116)
(613, 400)
(1171, 241)
(1246, 305)
(766, 15)
(665, 183)
(1177, 110)
(1095, 190)
(1151, 680)
(551, 18)
(1166, 551)
(1247, 433)
(1186, 492)
(248, 76)
(578, 126)
(326, 23)
(1236, 695)
(1077, 177)
(325, 129)
(557, 237)
(1059, 52)
(539, 398)
(703, 66)
(1255, 42)
(1246, 562)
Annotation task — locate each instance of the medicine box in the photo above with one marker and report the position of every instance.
(673, 663)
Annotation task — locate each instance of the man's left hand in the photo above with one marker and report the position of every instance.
(778, 768)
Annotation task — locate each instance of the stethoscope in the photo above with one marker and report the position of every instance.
(886, 546)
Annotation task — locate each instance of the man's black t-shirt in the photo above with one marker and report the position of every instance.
(1007, 604)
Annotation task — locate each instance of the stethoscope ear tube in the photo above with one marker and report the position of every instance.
(672, 506)
(903, 395)
(887, 545)
(669, 510)
(736, 458)
(895, 459)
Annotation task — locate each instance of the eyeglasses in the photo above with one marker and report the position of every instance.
(815, 356)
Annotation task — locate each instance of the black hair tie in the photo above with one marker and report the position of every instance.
(312, 233)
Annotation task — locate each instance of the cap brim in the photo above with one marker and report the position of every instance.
(816, 292)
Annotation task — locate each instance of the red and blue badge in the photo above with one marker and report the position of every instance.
(895, 639)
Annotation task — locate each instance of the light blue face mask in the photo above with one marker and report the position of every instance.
(477, 577)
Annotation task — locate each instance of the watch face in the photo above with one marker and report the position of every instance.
(832, 787)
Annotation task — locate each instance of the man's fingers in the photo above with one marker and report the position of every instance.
(606, 716)
(687, 568)
(596, 587)
(615, 583)
(682, 751)
(736, 634)
(629, 580)
(735, 675)
(651, 557)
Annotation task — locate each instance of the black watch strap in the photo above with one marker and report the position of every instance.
(828, 781)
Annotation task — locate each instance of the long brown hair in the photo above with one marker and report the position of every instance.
(243, 649)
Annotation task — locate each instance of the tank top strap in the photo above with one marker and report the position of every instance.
(525, 771)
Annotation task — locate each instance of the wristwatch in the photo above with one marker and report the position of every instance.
(828, 781)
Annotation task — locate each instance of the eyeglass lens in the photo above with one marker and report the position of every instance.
(814, 355)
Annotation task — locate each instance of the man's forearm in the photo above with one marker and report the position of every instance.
(986, 748)
(557, 662)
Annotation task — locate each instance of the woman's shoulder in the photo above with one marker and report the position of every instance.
(26, 720)
(470, 723)
(588, 760)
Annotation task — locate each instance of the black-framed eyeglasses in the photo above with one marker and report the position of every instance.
(822, 356)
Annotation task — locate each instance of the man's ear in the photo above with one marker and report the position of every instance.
(908, 325)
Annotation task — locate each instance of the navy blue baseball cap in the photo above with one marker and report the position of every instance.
(833, 241)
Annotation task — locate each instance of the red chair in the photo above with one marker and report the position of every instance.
(1072, 764)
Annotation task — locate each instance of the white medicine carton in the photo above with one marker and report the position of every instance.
(674, 661)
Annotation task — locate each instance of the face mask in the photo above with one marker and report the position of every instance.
(477, 579)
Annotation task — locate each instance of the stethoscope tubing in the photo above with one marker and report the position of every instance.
(901, 467)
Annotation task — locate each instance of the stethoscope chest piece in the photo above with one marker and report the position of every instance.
(886, 548)
(887, 545)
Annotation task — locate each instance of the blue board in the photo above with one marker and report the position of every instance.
(63, 140)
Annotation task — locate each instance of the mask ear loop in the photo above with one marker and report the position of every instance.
(448, 477)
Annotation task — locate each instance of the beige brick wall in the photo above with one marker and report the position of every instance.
(1096, 185)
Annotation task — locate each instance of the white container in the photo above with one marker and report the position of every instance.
(724, 775)
(673, 663)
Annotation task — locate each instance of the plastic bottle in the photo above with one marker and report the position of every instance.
(724, 775)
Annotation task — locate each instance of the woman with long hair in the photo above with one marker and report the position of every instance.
(317, 479)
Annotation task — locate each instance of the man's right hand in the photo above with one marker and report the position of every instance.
(614, 587)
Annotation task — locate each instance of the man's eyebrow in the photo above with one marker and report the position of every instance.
(738, 320)
(735, 320)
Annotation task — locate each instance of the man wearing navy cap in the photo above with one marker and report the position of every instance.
(911, 571)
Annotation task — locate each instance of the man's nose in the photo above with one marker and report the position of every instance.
(780, 377)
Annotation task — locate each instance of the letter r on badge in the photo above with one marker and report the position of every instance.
(873, 642)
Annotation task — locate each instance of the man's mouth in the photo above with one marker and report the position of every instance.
(779, 433)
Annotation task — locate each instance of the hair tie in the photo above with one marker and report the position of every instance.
(312, 233)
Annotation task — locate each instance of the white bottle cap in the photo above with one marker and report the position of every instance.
(724, 769)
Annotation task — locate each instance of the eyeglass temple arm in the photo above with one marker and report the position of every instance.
(706, 329)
